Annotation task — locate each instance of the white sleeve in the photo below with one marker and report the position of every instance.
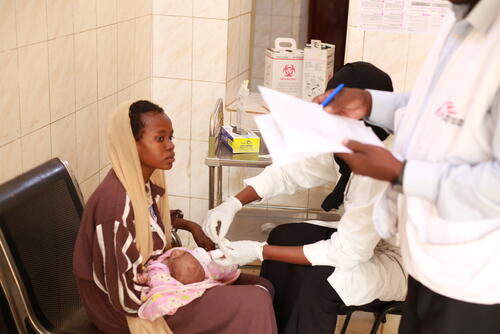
(308, 173)
(384, 106)
(356, 237)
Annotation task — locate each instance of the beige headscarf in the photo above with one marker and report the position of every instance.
(122, 151)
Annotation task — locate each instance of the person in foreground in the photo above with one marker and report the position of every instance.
(446, 174)
(318, 270)
(127, 222)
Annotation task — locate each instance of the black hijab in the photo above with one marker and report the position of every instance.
(355, 75)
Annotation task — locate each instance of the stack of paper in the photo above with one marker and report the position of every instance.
(296, 129)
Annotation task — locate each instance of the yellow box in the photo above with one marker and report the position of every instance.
(247, 143)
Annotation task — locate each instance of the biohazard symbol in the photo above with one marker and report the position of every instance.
(289, 70)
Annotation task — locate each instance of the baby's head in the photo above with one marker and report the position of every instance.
(184, 267)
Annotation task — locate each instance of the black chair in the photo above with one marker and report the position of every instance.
(378, 308)
(40, 213)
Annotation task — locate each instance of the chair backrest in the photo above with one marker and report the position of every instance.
(40, 213)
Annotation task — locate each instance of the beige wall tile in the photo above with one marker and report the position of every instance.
(88, 186)
(214, 9)
(420, 46)
(85, 68)
(299, 199)
(199, 171)
(199, 208)
(104, 109)
(354, 45)
(282, 7)
(173, 7)
(181, 203)
(8, 24)
(104, 172)
(393, 58)
(233, 48)
(31, 19)
(179, 178)
(234, 8)
(106, 12)
(281, 26)
(87, 142)
(125, 94)
(126, 40)
(36, 148)
(63, 139)
(301, 8)
(11, 158)
(210, 50)
(246, 6)
(143, 89)
(126, 9)
(143, 48)
(245, 35)
(233, 86)
(174, 96)
(34, 87)
(262, 31)
(107, 61)
(172, 46)
(143, 8)
(258, 62)
(263, 7)
(61, 77)
(10, 126)
(59, 18)
(85, 14)
(204, 97)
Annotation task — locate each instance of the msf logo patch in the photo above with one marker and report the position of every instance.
(289, 70)
(448, 114)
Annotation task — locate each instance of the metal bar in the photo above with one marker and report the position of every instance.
(219, 185)
(211, 197)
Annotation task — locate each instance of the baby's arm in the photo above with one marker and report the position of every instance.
(143, 277)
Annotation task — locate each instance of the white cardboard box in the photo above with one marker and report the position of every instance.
(283, 67)
(317, 69)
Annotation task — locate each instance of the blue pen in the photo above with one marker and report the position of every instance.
(332, 95)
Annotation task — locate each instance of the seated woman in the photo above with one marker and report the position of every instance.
(178, 277)
(126, 222)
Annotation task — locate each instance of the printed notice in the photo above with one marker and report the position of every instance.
(411, 16)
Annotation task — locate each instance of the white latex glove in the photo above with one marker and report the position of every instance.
(224, 214)
(239, 252)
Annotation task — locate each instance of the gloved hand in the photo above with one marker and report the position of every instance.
(223, 213)
(239, 252)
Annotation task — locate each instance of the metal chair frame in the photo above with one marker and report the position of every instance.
(394, 307)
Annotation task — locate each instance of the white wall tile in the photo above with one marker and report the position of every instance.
(85, 14)
(246, 6)
(420, 46)
(125, 94)
(353, 18)
(59, 18)
(282, 7)
(63, 139)
(36, 148)
(301, 8)
(104, 109)
(126, 52)
(204, 97)
(125, 9)
(8, 24)
(214, 9)
(210, 50)
(354, 45)
(199, 171)
(393, 58)
(262, 31)
(143, 89)
(88, 186)
(11, 157)
(245, 35)
(263, 7)
(234, 8)
(143, 48)
(10, 126)
(87, 142)
(181, 203)
(199, 208)
(34, 87)
(85, 68)
(174, 96)
(281, 26)
(31, 19)
(61, 77)
(106, 12)
(172, 46)
(178, 178)
(173, 7)
(143, 8)
(233, 48)
(107, 61)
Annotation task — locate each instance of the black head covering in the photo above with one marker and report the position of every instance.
(355, 75)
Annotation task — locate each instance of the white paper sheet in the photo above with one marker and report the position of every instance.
(296, 129)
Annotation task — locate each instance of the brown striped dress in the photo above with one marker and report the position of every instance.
(106, 263)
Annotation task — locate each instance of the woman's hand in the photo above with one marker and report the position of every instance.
(201, 239)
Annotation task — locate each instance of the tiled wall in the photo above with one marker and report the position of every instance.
(276, 18)
(65, 65)
(399, 54)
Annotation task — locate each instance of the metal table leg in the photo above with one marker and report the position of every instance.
(211, 186)
(219, 185)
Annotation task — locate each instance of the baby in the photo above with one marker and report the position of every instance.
(179, 276)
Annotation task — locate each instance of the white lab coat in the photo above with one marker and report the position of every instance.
(367, 267)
